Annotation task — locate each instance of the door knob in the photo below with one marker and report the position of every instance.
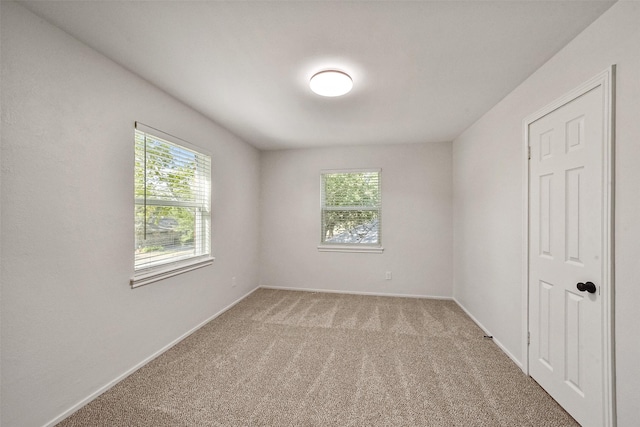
(589, 287)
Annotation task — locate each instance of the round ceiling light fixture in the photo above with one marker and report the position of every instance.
(331, 83)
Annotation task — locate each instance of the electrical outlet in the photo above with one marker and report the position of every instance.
(233, 282)
(388, 275)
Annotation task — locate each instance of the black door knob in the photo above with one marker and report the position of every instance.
(589, 287)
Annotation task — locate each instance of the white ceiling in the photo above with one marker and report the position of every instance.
(423, 71)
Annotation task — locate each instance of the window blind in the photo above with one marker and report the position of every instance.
(351, 207)
(172, 199)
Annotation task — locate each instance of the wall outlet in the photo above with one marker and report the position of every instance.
(387, 275)
(233, 282)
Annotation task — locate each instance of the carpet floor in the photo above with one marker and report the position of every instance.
(285, 358)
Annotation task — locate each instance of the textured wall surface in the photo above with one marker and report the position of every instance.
(488, 193)
(70, 322)
(416, 221)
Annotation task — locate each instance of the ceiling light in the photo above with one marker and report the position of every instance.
(331, 83)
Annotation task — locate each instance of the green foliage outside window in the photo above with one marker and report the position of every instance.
(168, 198)
(350, 205)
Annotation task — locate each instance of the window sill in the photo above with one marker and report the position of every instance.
(144, 277)
(351, 248)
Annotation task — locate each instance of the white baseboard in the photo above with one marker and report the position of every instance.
(487, 332)
(335, 291)
(130, 371)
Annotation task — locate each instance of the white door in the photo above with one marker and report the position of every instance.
(567, 250)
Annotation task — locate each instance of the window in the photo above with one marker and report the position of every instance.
(172, 206)
(350, 211)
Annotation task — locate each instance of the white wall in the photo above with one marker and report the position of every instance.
(70, 322)
(487, 184)
(416, 221)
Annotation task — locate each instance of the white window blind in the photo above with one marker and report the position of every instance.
(172, 200)
(351, 208)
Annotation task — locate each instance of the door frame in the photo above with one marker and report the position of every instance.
(606, 79)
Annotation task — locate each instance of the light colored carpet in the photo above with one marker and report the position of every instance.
(284, 358)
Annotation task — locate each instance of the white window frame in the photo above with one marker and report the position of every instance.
(161, 270)
(350, 247)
